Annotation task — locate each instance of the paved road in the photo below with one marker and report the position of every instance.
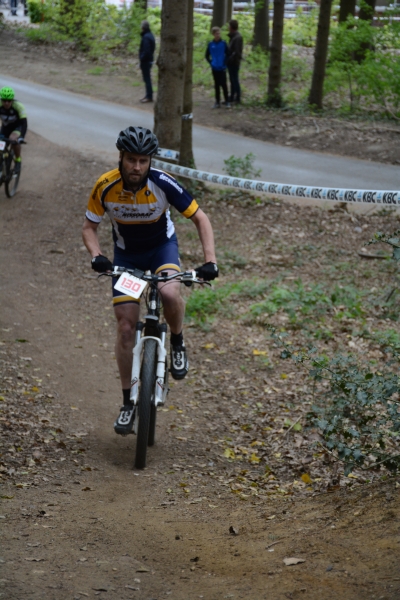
(91, 126)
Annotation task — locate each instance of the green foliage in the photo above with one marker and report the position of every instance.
(392, 239)
(205, 303)
(39, 11)
(302, 31)
(236, 166)
(307, 304)
(364, 64)
(356, 408)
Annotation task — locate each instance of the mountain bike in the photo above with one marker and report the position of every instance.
(8, 176)
(149, 380)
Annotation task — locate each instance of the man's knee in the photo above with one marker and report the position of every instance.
(126, 316)
(171, 294)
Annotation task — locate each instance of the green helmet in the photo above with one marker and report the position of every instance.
(7, 93)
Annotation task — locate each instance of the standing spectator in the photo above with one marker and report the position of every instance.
(235, 52)
(146, 56)
(13, 7)
(216, 55)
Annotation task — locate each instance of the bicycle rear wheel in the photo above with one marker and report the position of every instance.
(12, 178)
(147, 383)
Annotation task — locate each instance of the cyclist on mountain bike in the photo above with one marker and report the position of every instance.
(136, 198)
(14, 123)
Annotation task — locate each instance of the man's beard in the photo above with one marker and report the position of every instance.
(130, 184)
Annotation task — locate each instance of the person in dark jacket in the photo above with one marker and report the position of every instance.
(146, 57)
(235, 52)
(216, 54)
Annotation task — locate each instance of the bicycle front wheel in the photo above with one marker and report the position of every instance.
(147, 383)
(12, 178)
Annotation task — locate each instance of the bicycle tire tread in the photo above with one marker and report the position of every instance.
(147, 379)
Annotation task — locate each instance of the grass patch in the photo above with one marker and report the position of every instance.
(96, 71)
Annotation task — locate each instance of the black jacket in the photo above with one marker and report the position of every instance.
(235, 49)
(147, 46)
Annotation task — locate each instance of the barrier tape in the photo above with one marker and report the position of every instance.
(165, 153)
(381, 197)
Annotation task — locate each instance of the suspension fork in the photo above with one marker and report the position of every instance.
(161, 384)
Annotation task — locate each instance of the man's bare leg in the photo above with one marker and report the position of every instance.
(174, 312)
(127, 316)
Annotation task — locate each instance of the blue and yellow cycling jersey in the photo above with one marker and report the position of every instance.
(141, 220)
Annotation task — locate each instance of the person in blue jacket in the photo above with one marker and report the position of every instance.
(146, 56)
(216, 55)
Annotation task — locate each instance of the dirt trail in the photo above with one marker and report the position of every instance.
(78, 522)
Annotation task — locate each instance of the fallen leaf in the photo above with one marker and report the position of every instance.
(87, 489)
(209, 346)
(259, 352)
(142, 570)
(254, 459)
(229, 453)
(293, 561)
(306, 478)
(35, 559)
(234, 530)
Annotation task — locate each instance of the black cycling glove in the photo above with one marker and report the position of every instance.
(101, 264)
(207, 272)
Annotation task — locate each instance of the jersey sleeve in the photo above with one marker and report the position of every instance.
(176, 195)
(20, 108)
(95, 209)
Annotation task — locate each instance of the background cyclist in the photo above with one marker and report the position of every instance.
(14, 123)
(136, 198)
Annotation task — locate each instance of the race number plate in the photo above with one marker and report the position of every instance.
(2, 145)
(130, 285)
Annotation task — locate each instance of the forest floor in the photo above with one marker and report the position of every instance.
(62, 67)
(231, 489)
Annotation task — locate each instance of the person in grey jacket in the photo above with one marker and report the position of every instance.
(146, 57)
(235, 53)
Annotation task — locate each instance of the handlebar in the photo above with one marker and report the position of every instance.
(186, 277)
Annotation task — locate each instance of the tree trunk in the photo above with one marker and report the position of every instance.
(321, 52)
(347, 7)
(219, 13)
(275, 66)
(261, 24)
(171, 74)
(367, 13)
(229, 10)
(186, 152)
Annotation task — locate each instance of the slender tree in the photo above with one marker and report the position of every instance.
(347, 7)
(274, 97)
(261, 24)
(219, 13)
(186, 152)
(367, 9)
(321, 52)
(171, 74)
(229, 10)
